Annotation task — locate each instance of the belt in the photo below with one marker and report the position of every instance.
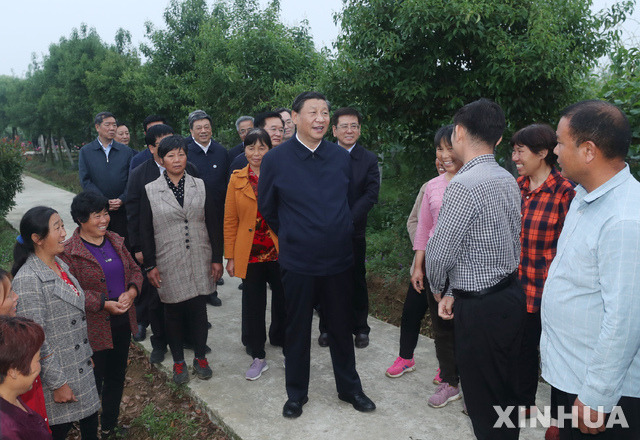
(503, 283)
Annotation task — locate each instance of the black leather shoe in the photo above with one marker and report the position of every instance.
(220, 282)
(142, 333)
(359, 401)
(362, 340)
(214, 300)
(293, 408)
(209, 325)
(240, 286)
(323, 340)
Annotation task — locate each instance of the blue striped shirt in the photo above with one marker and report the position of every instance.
(591, 303)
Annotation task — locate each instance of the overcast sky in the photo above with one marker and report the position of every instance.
(32, 26)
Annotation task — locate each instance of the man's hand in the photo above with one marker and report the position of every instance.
(231, 267)
(216, 271)
(139, 257)
(438, 297)
(445, 307)
(114, 204)
(64, 394)
(590, 416)
(154, 278)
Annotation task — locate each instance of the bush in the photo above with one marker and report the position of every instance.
(11, 165)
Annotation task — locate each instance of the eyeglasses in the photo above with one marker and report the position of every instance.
(347, 126)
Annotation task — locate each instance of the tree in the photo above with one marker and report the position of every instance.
(409, 64)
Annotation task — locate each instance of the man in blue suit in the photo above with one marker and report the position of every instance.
(303, 193)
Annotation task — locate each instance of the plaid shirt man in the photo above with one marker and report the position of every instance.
(543, 212)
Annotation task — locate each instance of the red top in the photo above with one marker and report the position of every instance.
(543, 213)
(263, 248)
(34, 399)
(66, 279)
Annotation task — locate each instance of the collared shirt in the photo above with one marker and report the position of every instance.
(205, 149)
(590, 313)
(178, 190)
(106, 149)
(349, 148)
(160, 167)
(543, 213)
(308, 147)
(477, 240)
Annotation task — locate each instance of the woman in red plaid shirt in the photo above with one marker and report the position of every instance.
(546, 197)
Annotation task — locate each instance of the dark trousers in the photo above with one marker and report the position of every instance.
(156, 320)
(529, 359)
(333, 293)
(414, 310)
(142, 302)
(360, 291)
(360, 300)
(110, 369)
(254, 304)
(88, 428)
(488, 341)
(630, 408)
(193, 312)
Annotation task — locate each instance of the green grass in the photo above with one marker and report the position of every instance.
(60, 174)
(7, 241)
(165, 425)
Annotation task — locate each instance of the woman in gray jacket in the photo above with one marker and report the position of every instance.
(52, 297)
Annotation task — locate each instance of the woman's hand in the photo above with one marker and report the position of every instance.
(231, 267)
(115, 308)
(216, 271)
(127, 297)
(417, 278)
(154, 278)
(64, 394)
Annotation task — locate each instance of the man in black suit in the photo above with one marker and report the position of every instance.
(303, 193)
(103, 168)
(243, 125)
(273, 124)
(364, 188)
(149, 309)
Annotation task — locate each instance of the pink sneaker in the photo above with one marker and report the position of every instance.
(444, 394)
(401, 366)
(437, 380)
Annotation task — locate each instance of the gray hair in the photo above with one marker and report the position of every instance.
(241, 119)
(102, 116)
(198, 115)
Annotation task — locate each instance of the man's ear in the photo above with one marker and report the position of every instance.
(589, 151)
(499, 140)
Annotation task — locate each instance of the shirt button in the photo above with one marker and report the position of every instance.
(187, 240)
(186, 227)
(81, 370)
(215, 166)
(85, 340)
(77, 347)
(89, 363)
(102, 280)
(186, 235)
(187, 246)
(84, 318)
(73, 322)
(186, 221)
(250, 230)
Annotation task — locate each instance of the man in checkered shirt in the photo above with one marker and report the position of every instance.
(476, 246)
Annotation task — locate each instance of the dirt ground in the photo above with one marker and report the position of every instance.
(153, 408)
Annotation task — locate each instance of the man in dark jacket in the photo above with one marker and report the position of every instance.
(212, 161)
(364, 188)
(303, 194)
(103, 168)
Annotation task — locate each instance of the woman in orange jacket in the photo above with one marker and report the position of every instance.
(252, 251)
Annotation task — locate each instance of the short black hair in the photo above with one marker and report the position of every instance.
(121, 123)
(257, 134)
(602, 123)
(261, 119)
(443, 134)
(537, 138)
(153, 118)
(282, 109)
(483, 119)
(305, 96)
(102, 116)
(345, 111)
(156, 131)
(175, 142)
(85, 204)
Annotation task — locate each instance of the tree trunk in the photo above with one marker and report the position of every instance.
(53, 148)
(43, 146)
(64, 145)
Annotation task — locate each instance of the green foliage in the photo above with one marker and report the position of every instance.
(7, 242)
(165, 425)
(11, 165)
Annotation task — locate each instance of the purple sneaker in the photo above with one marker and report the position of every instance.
(444, 394)
(258, 366)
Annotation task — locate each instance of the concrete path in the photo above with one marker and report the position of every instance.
(252, 410)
